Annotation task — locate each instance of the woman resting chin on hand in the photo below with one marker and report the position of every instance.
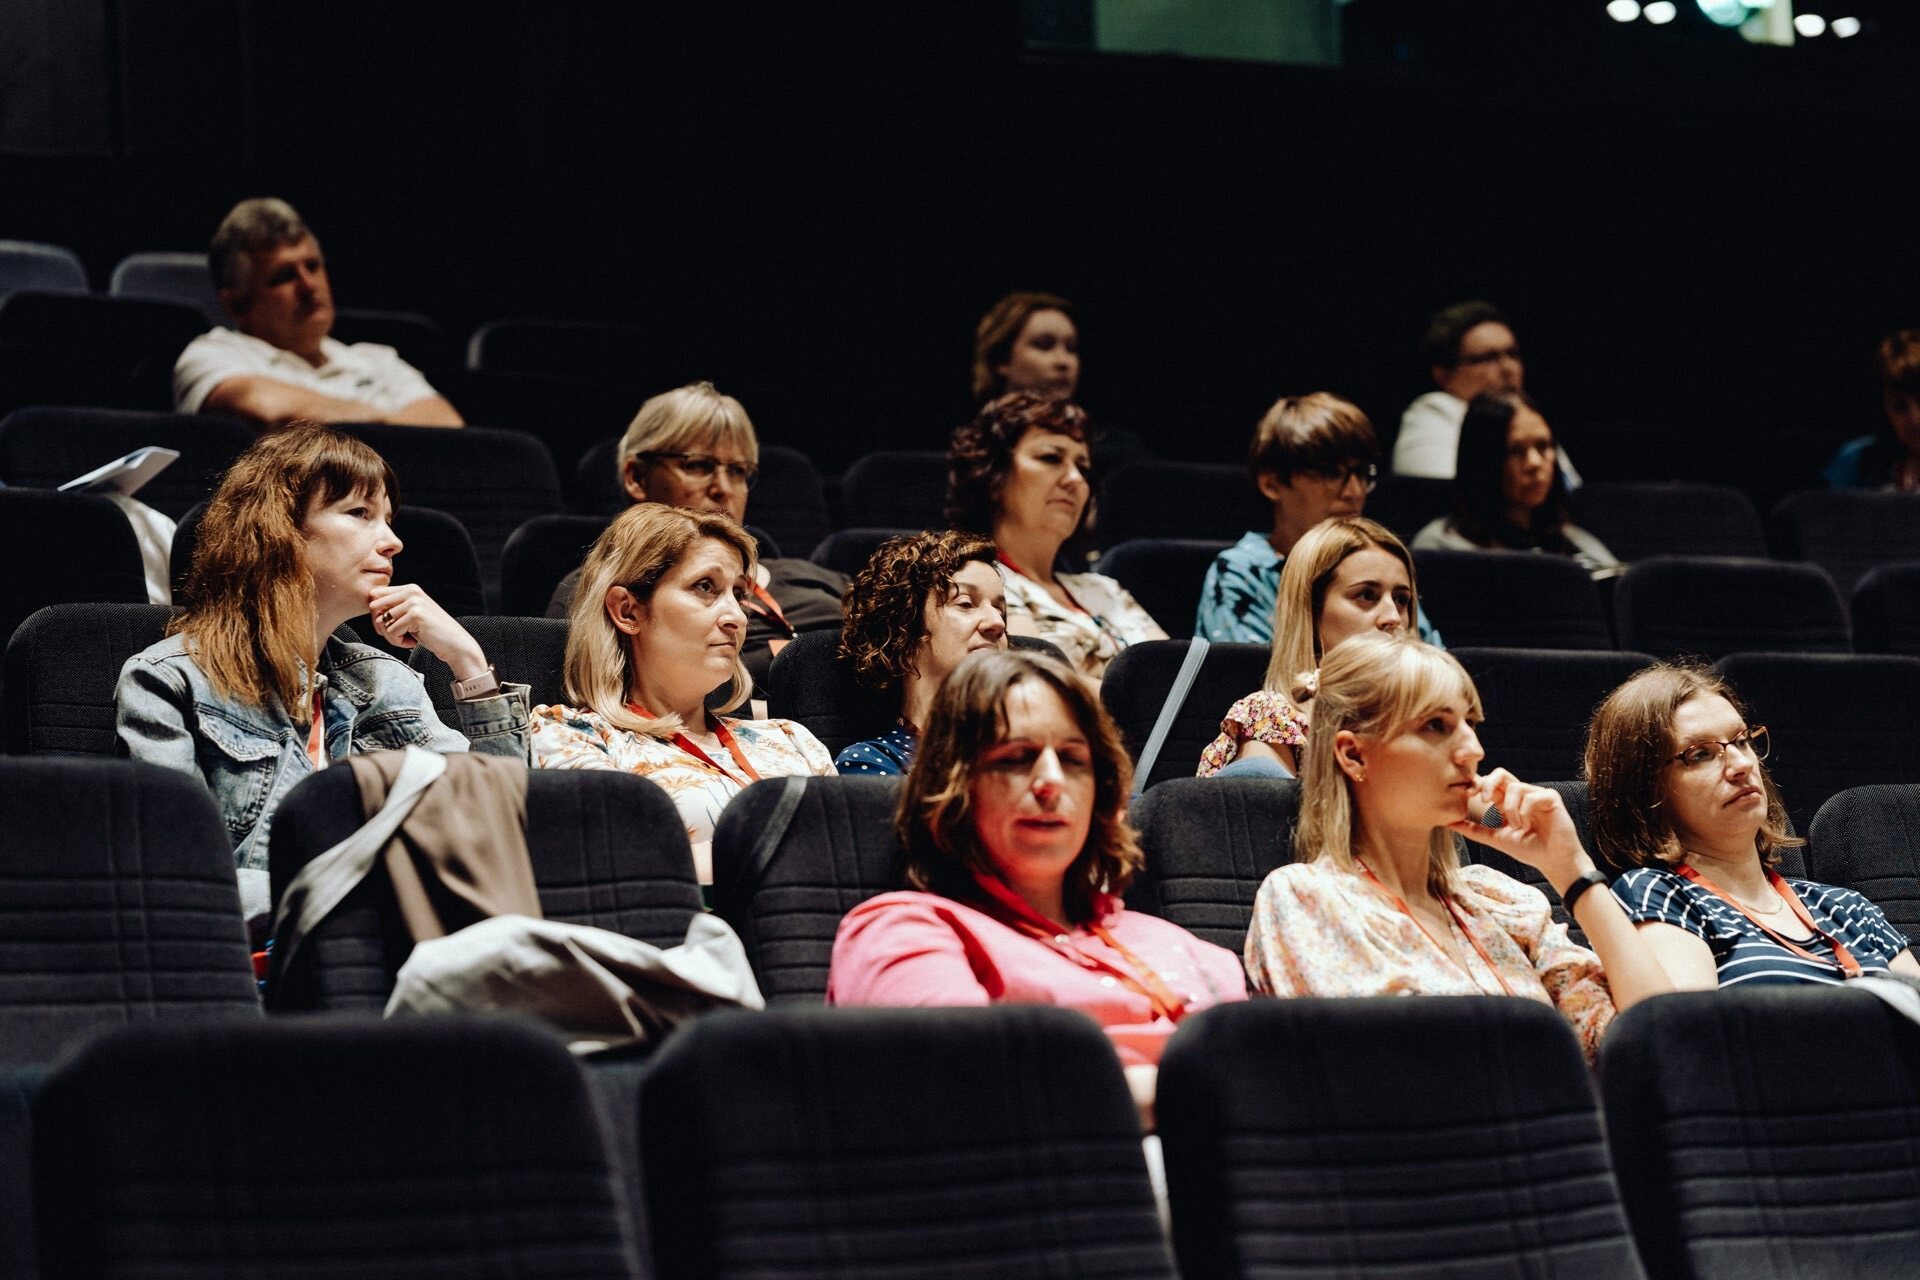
(1017, 850)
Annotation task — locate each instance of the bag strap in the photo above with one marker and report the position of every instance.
(1170, 710)
(767, 843)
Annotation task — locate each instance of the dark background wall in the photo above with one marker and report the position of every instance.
(1699, 241)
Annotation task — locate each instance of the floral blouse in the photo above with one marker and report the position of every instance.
(1321, 931)
(1261, 716)
(566, 738)
(1107, 621)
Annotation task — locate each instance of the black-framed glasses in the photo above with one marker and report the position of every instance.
(1367, 473)
(1752, 741)
(703, 466)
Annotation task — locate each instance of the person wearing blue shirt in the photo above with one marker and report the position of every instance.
(1887, 459)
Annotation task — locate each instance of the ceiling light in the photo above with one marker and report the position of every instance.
(1809, 24)
(1661, 12)
(1623, 10)
(1844, 27)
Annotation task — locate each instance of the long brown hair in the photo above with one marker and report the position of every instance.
(249, 594)
(935, 815)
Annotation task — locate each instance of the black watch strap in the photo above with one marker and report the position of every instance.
(1580, 886)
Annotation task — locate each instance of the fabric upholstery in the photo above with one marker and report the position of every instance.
(608, 850)
(1407, 504)
(417, 338)
(848, 550)
(424, 1147)
(1886, 610)
(61, 668)
(1209, 843)
(83, 348)
(1418, 1138)
(1151, 499)
(838, 851)
(117, 904)
(1709, 606)
(175, 277)
(904, 489)
(884, 1143)
(789, 502)
(1538, 703)
(46, 446)
(29, 264)
(1848, 531)
(529, 651)
(1743, 1150)
(1136, 687)
(537, 555)
(1165, 576)
(19, 1250)
(1868, 839)
(65, 548)
(1837, 720)
(1511, 599)
(1637, 519)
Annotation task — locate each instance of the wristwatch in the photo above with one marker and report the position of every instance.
(1580, 886)
(484, 685)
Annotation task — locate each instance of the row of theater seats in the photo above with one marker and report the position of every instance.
(1838, 720)
(118, 904)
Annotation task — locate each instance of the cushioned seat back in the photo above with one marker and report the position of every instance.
(837, 851)
(62, 666)
(65, 548)
(1538, 703)
(1510, 599)
(174, 277)
(1407, 504)
(1137, 684)
(1209, 844)
(790, 501)
(1886, 610)
(117, 904)
(529, 651)
(896, 488)
(417, 338)
(1744, 1147)
(1148, 499)
(1836, 720)
(848, 550)
(1708, 607)
(886, 1143)
(29, 264)
(302, 1147)
(46, 446)
(1338, 1138)
(491, 481)
(1165, 575)
(1637, 519)
(538, 555)
(608, 850)
(1868, 839)
(83, 348)
(1848, 531)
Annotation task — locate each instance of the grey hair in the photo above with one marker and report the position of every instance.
(265, 222)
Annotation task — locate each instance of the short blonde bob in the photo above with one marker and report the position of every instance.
(643, 544)
(1304, 580)
(1377, 686)
(695, 418)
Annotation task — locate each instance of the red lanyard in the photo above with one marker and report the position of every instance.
(1140, 977)
(1458, 918)
(1002, 557)
(692, 748)
(317, 733)
(767, 607)
(1842, 958)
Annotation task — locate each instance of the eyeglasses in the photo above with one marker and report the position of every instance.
(703, 466)
(1492, 357)
(1365, 472)
(1753, 741)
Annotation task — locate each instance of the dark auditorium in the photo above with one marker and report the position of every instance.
(971, 639)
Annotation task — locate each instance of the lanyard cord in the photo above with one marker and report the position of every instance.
(1458, 918)
(766, 606)
(1842, 958)
(692, 748)
(1002, 557)
(1136, 973)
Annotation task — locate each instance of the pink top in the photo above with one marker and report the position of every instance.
(925, 949)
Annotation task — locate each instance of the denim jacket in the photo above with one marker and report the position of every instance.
(169, 713)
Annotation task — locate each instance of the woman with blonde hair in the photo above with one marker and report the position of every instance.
(1346, 576)
(252, 690)
(1377, 900)
(656, 627)
(1678, 792)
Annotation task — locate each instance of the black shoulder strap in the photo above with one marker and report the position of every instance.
(767, 844)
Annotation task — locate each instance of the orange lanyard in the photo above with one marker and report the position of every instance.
(1002, 557)
(317, 733)
(1139, 977)
(692, 748)
(1842, 958)
(767, 607)
(1458, 918)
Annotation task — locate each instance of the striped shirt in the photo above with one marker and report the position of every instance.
(1742, 952)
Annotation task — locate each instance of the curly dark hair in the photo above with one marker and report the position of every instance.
(980, 455)
(934, 818)
(886, 603)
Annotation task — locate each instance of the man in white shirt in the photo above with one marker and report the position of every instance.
(277, 364)
(1470, 348)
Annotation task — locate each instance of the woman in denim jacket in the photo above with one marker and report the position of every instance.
(251, 690)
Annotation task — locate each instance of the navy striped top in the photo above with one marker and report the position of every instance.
(1742, 952)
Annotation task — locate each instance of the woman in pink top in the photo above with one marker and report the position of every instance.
(1377, 901)
(1017, 847)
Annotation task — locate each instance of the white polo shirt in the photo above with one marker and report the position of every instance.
(372, 374)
